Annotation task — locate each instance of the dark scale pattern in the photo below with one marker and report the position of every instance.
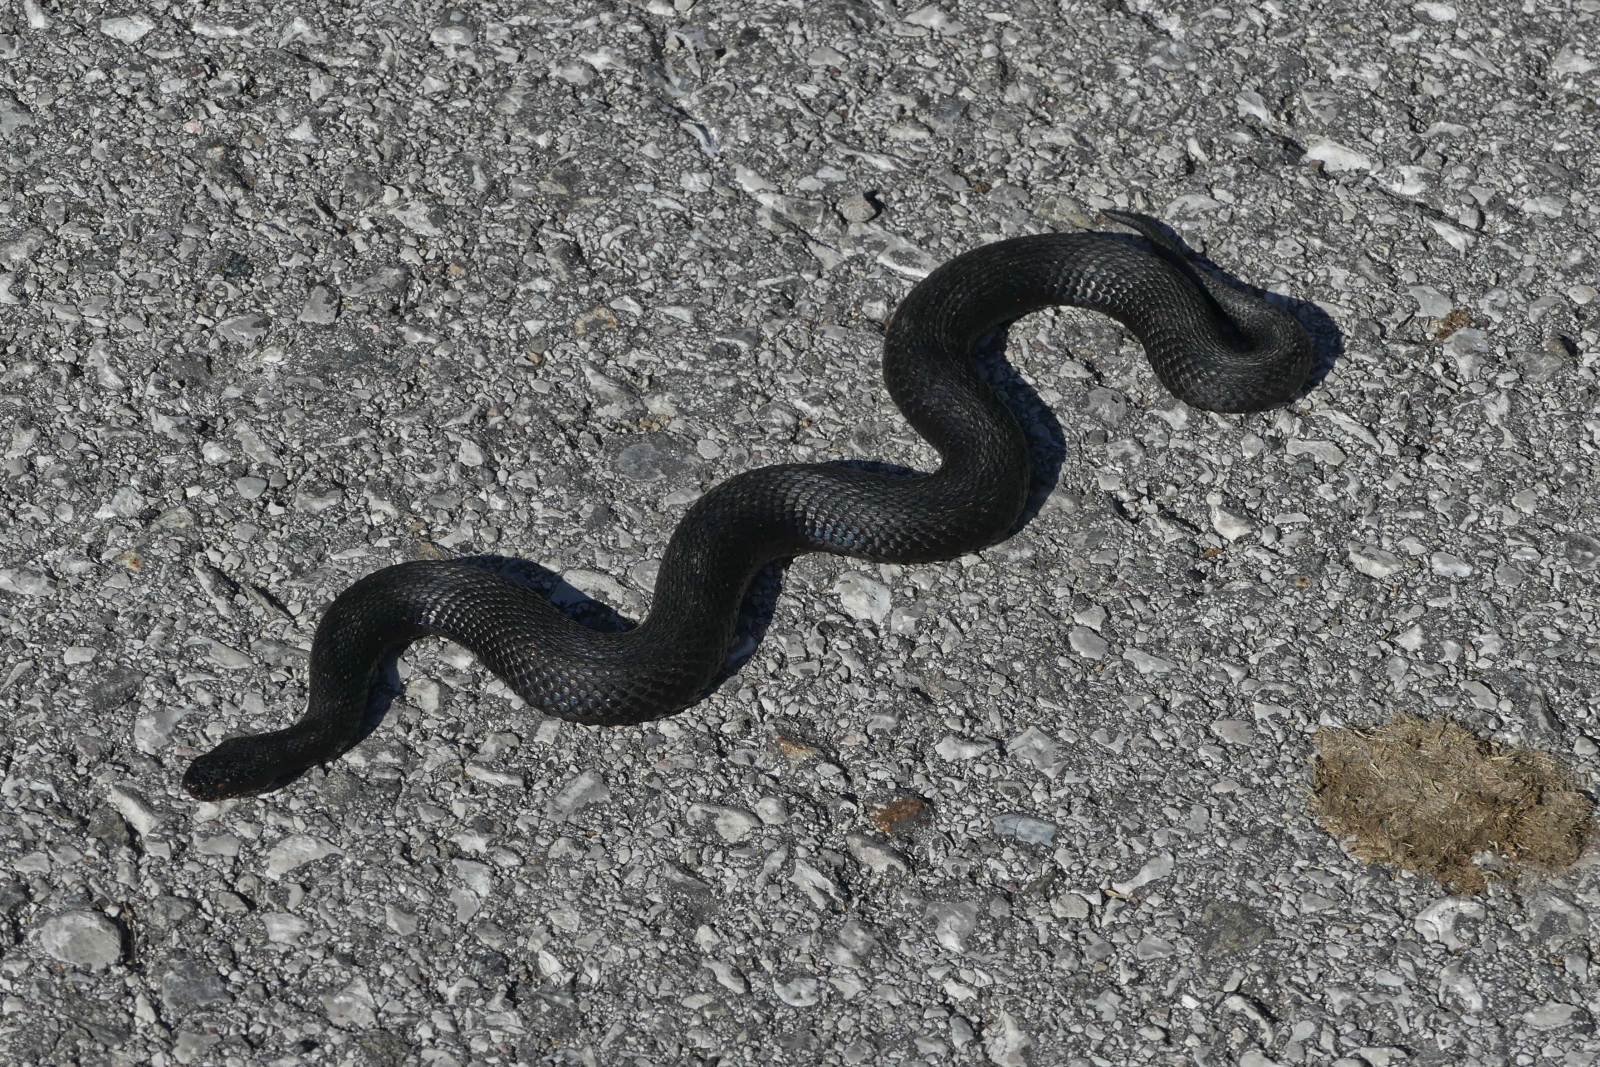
(973, 500)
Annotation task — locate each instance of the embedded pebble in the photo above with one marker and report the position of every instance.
(82, 939)
(953, 923)
(877, 858)
(188, 984)
(1233, 731)
(579, 792)
(960, 748)
(862, 597)
(1375, 562)
(285, 929)
(1025, 828)
(802, 991)
(1229, 525)
(26, 582)
(296, 851)
(1086, 643)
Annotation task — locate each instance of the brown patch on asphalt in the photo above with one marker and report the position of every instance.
(902, 816)
(1430, 795)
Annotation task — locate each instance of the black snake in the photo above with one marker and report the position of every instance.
(1212, 346)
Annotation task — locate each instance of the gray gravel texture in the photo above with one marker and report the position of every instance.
(291, 294)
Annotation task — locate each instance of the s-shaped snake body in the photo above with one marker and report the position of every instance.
(1212, 346)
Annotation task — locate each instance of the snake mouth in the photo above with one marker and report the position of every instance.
(203, 786)
(206, 788)
(238, 767)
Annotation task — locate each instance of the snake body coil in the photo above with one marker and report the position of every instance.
(1212, 346)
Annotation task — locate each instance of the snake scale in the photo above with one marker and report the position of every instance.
(1211, 346)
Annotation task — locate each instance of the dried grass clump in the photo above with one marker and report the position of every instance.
(1429, 795)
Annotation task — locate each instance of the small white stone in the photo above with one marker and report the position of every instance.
(1411, 640)
(1233, 731)
(1571, 61)
(903, 257)
(1449, 565)
(478, 877)
(316, 504)
(73, 655)
(772, 810)
(1431, 303)
(574, 73)
(479, 773)
(799, 992)
(1005, 1042)
(25, 582)
(226, 845)
(1325, 452)
(1337, 158)
(903, 620)
(863, 597)
(1459, 984)
(1154, 869)
(244, 329)
(1025, 828)
(603, 59)
(877, 858)
(297, 851)
(283, 928)
(1093, 616)
(1437, 922)
(1229, 525)
(1086, 643)
(931, 16)
(1552, 1016)
(133, 807)
(728, 976)
(955, 748)
(228, 657)
(419, 218)
(1069, 906)
(403, 923)
(1375, 562)
(321, 307)
(1254, 105)
(151, 729)
(822, 889)
(953, 923)
(82, 939)
(1153, 948)
(732, 824)
(1145, 663)
(352, 1008)
(1035, 747)
(579, 792)
(469, 454)
(129, 29)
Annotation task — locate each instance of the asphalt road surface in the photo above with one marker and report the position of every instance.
(289, 293)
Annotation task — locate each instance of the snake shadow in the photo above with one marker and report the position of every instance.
(1327, 340)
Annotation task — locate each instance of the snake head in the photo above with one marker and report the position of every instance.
(239, 767)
